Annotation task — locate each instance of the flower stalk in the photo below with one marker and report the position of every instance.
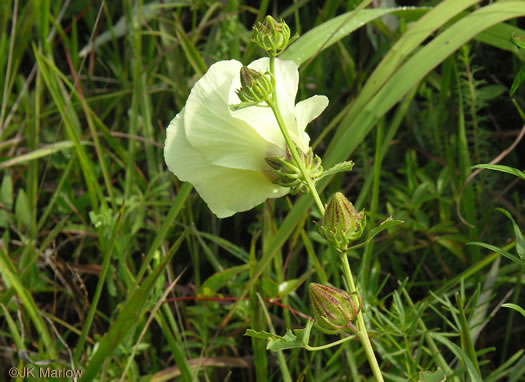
(362, 333)
(289, 174)
(361, 327)
(274, 105)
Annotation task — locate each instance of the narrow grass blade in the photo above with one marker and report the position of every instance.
(460, 354)
(500, 251)
(10, 275)
(13, 330)
(285, 372)
(517, 308)
(466, 338)
(58, 189)
(121, 28)
(71, 124)
(183, 194)
(192, 54)
(220, 279)
(502, 168)
(33, 255)
(325, 35)
(130, 314)
(172, 334)
(402, 49)
(506, 367)
(280, 237)
(520, 241)
(499, 37)
(98, 291)
(355, 127)
(39, 153)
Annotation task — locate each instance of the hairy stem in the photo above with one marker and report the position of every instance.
(289, 142)
(362, 333)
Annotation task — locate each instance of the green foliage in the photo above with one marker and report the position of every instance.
(291, 340)
(520, 77)
(93, 228)
(427, 376)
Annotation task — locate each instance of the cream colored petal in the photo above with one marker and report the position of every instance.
(308, 110)
(225, 190)
(211, 129)
(262, 118)
(232, 190)
(287, 82)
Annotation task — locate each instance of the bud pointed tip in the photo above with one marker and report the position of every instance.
(333, 308)
(341, 222)
(256, 87)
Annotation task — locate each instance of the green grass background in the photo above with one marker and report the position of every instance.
(112, 266)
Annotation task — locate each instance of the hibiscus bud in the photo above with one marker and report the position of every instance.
(333, 308)
(256, 87)
(272, 37)
(288, 172)
(341, 223)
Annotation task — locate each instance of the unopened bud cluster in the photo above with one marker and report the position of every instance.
(256, 87)
(289, 174)
(341, 223)
(272, 36)
(333, 309)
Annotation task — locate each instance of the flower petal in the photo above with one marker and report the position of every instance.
(262, 118)
(287, 82)
(308, 110)
(232, 190)
(211, 129)
(225, 190)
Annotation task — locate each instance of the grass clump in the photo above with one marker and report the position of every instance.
(111, 266)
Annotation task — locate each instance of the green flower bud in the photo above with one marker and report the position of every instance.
(333, 308)
(288, 173)
(255, 86)
(272, 37)
(341, 223)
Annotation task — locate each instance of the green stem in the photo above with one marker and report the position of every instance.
(289, 142)
(362, 332)
(322, 347)
(361, 327)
